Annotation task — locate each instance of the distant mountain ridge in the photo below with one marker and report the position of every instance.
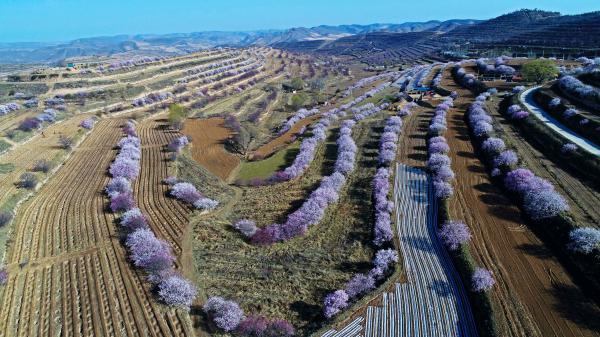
(522, 28)
(179, 43)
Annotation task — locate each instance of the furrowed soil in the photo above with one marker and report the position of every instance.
(534, 295)
(208, 137)
(69, 274)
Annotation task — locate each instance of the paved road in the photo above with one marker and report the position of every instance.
(433, 302)
(526, 98)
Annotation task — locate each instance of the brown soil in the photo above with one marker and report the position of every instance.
(69, 274)
(285, 139)
(534, 295)
(208, 136)
(23, 156)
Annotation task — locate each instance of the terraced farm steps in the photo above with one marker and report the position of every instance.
(433, 302)
(69, 275)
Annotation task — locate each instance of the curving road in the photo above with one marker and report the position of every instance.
(526, 98)
(433, 302)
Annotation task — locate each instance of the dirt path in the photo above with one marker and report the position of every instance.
(534, 295)
(69, 274)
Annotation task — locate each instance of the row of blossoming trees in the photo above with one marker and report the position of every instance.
(147, 252)
(535, 195)
(386, 256)
(455, 234)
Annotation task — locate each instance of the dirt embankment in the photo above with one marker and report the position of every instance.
(281, 141)
(208, 138)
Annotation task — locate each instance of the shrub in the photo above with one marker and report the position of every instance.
(177, 291)
(226, 315)
(335, 302)
(65, 143)
(568, 148)
(29, 124)
(3, 275)
(28, 180)
(178, 143)
(87, 123)
(482, 280)
(279, 328)
(246, 227)
(170, 180)
(260, 326)
(454, 234)
(584, 240)
(5, 218)
(41, 165)
(205, 204)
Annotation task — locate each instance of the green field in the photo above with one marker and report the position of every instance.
(266, 167)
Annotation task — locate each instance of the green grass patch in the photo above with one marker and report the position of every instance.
(4, 146)
(6, 168)
(265, 168)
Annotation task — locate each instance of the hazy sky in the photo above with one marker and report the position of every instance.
(61, 20)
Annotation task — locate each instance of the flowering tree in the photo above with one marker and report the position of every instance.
(226, 315)
(134, 219)
(506, 159)
(385, 258)
(246, 227)
(177, 291)
(87, 123)
(118, 185)
(178, 143)
(482, 280)
(185, 192)
(493, 146)
(126, 168)
(148, 252)
(542, 204)
(359, 284)
(255, 326)
(121, 202)
(206, 204)
(454, 234)
(569, 148)
(584, 240)
(335, 302)
(383, 207)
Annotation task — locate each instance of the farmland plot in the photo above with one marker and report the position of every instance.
(68, 271)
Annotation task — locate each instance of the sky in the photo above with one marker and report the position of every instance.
(64, 20)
